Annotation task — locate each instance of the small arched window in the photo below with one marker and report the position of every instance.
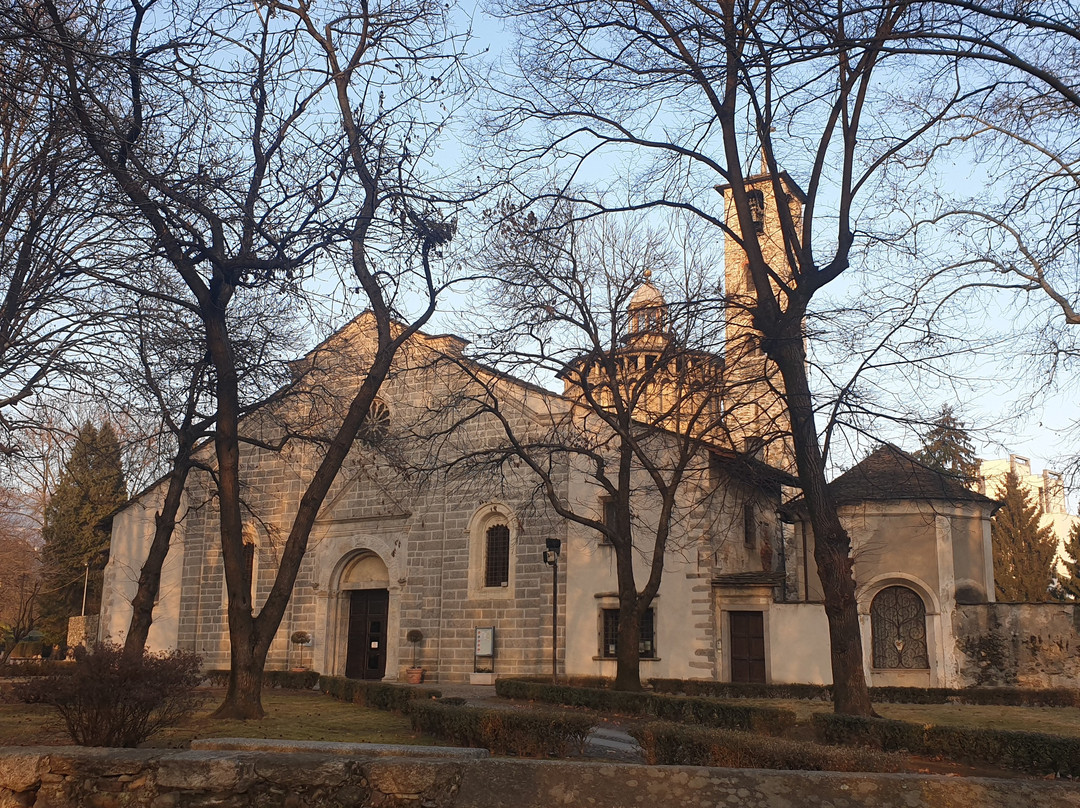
(898, 629)
(497, 556)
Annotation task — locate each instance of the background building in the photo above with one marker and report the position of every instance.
(1047, 489)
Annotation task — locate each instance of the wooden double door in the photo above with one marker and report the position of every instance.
(747, 646)
(368, 612)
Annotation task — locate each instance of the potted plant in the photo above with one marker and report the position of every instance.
(300, 639)
(415, 674)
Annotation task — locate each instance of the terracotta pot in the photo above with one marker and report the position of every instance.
(414, 676)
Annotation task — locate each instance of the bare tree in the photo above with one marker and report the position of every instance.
(1012, 236)
(20, 572)
(161, 380)
(50, 314)
(241, 182)
(642, 421)
(773, 104)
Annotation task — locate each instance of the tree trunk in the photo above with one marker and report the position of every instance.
(832, 546)
(243, 698)
(833, 557)
(627, 655)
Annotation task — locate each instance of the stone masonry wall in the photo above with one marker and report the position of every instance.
(147, 778)
(424, 524)
(1018, 644)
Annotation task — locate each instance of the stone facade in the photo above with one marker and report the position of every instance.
(396, 523)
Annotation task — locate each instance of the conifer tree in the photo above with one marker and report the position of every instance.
(947, 447)
(1070, 581)
(90, 487)
(1023, 550)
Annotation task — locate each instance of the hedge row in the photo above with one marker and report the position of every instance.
(740, 690)
(527, 733)
(38, 667)
(711, 712)
(1034, 752)
(604, 682)
(377, 695)
(284, 680)
(1012, 696)
(679, 745)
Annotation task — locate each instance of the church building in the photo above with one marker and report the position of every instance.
(458, 553)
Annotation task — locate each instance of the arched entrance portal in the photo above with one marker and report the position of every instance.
(365, 582)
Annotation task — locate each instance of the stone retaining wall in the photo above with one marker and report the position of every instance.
(70, 777)
(1018, 644)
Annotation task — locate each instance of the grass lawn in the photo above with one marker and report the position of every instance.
(291, 714)
(1053, 720)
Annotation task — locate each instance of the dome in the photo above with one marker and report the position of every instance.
(647, 296)
(648, 309)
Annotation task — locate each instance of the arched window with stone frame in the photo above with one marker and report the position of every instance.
(493, 531)
(898, 629)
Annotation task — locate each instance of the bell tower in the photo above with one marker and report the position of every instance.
(754, 399)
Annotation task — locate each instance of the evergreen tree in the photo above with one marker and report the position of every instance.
(1070, 581)
(947, 447)
(90, 487)
(1023, 550)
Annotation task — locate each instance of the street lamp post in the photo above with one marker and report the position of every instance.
(551, 558)
(86, 581)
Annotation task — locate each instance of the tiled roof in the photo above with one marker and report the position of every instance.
(892, 474)
(749, 469)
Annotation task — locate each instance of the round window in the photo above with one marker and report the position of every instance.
(377, 424)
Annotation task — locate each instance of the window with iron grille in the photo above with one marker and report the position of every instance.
(898, 629)
(497, 556)
(610, 641)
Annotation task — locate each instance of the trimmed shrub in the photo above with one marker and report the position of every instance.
(912, 695)
(711, 712)
(527, 733)
(1014, 696)
(878, 733)
(741, 690)
(284, 680)
(677, 744)
(108, 701)
(377, 695)
(38, 667)
(570, 681)
(1033, 752)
